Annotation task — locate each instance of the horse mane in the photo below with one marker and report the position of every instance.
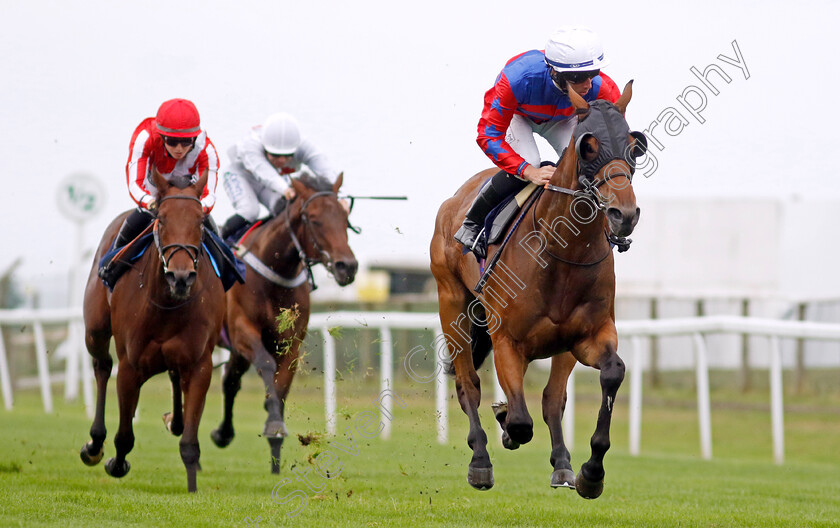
(317, 183)
(181, 181)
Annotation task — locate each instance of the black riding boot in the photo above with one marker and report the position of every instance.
(131, 228)
(233, 225)
(500, 186)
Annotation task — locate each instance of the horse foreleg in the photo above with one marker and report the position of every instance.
(128, 392)
(98, 344)
(590, 480)
(174, 421)
(553, 406)
(223, 435)
(194, 385)
(510, 370)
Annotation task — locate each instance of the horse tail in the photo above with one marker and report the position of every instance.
(480, 338)
(480, 341)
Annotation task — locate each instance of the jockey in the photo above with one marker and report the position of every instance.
(174, 144)
(530, 97)
(262, 164)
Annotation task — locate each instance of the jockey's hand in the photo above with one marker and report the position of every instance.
(289, 193)
(150, 203)
(538, 175)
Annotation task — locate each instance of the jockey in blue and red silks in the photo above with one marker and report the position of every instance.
(529, 97)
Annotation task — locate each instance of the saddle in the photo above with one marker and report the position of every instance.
(498, 220)
(118, 260)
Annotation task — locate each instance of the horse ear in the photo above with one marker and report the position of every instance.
(338, 182)
(622, 102)
(581, 106)
(298, 186)
(639, 145)
(202, 181)
(159, 181)
(587, 147)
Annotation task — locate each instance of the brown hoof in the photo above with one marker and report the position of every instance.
(563, 478)
(167, 422)
(508, 443)
(588, 489)
(87, 458)
(480, 478)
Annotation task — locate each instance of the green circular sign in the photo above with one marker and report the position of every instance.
(80, 196)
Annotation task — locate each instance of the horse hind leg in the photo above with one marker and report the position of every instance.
(97, 345)
(590, 480)
(174, 421)
(553, 405)
(223, 435)
(456, 324)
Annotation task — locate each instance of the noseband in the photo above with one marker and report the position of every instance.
(193, 251)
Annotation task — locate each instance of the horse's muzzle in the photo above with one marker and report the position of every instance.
(180, 282)
(344, 271)
(623, 220)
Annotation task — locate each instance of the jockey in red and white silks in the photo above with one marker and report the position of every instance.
(147, 151)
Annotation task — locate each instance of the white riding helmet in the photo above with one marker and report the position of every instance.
(280, 134)
(574, 48)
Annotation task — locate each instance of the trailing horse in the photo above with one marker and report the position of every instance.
(267, 317)
(165, 315)
(551, 294)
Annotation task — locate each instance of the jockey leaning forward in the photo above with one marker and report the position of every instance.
(262, 163)
(173, 143)
(530, 97)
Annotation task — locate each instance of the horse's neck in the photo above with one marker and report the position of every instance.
(276, 247)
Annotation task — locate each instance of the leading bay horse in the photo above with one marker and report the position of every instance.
(165, 314)
(267, 317)
(552, 293)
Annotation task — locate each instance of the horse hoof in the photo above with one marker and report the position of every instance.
(480, 478)
(275, 430)
(500, 410)
(87, 458)
(563, 478)
(221, 439)
(167, 421)
(116, 471)
(520, 433)
(508, 443)
(588, 489)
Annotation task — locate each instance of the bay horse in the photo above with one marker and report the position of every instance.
(267, 317)
(551, 294)
(165, 314)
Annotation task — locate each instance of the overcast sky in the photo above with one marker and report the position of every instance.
(392, 91)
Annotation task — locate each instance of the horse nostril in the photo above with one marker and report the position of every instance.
(615, 215)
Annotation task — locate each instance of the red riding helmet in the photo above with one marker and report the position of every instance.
(178, 118)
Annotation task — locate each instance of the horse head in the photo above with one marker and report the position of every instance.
(605, 152)
(325, 223)
(179, 230)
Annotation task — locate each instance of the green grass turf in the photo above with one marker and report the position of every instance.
(410, 480)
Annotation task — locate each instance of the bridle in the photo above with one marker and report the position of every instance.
(193, 251)
(323, 256)
(591, 191)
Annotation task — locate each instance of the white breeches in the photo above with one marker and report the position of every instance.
(520, 136)
(246, 193)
